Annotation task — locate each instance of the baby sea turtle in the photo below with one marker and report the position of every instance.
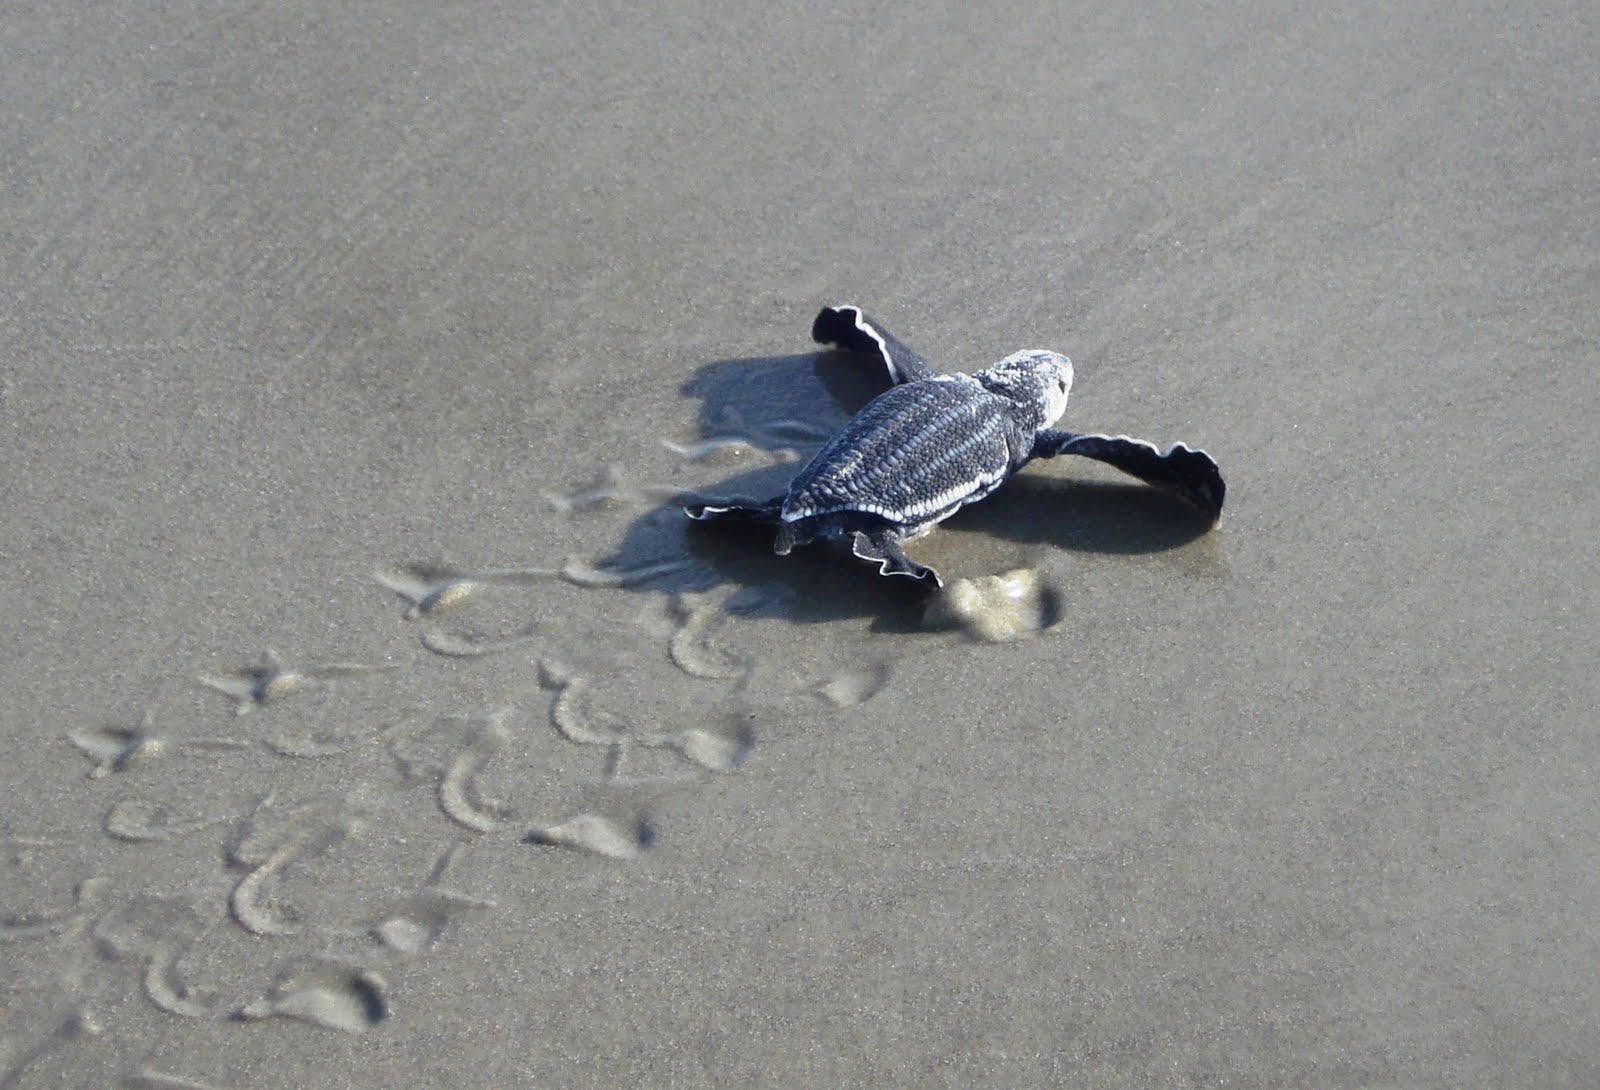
(932, 443)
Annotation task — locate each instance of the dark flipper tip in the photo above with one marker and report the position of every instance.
(1197, 480)
(834, 325)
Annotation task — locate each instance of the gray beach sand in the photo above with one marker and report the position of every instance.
(298, 294)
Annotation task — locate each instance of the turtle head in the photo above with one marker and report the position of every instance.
(1037, 380)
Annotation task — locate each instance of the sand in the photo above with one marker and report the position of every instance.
(308, 305)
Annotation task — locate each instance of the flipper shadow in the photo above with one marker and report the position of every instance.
(1083, 515)
(774, 397)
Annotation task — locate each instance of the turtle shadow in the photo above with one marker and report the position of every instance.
(794, 402)
(765, 400)
(1086, 516)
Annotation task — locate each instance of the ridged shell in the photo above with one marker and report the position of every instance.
(914, 455)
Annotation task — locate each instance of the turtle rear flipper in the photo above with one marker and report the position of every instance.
(882, 547)
(851, 329)
(1189, 474)
(737, 510)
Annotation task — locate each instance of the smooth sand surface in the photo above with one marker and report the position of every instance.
(296, 294)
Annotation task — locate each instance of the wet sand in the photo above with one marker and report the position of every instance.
(318, 320)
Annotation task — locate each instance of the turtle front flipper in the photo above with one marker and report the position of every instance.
(851, 329)
(882, 547)
(767, 512)
(1189, 474)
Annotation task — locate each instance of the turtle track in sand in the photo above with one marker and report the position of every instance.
(248, 914)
